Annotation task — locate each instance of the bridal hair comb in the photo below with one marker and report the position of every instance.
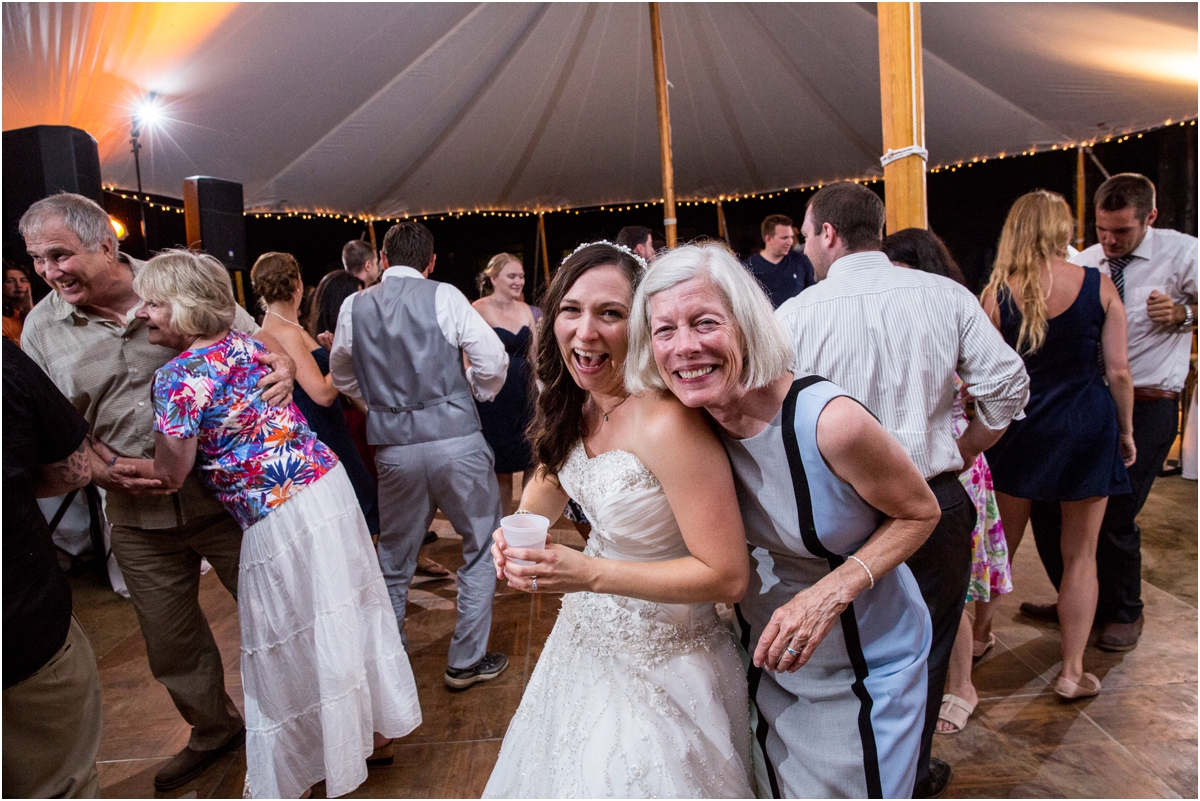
(622, 248)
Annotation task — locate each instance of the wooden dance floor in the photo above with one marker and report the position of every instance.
(1137, 739)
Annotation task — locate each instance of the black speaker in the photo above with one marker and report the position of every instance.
(212, 211)
(39, 162)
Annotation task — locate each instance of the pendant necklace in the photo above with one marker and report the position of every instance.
(605, 414)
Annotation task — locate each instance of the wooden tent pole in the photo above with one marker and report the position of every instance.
(371, 232)
(722, 231)
(664, 126)
(902, 94)
(1080, 197)
(545, 249)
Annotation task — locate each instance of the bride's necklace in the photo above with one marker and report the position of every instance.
(600, 408)
(286, 320)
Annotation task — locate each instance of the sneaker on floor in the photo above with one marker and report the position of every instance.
(1121, 637)
(486, 669)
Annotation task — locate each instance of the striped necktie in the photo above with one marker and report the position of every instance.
(1116, 268)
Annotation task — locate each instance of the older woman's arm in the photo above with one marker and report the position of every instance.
(864, 455)
(173, 459)
(678, 447)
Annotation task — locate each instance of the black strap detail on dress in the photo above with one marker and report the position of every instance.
(808, 533)
(753, 678)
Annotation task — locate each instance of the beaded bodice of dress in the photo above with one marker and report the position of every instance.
(631, 521)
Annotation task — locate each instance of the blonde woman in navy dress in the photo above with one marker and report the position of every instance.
(832, 506)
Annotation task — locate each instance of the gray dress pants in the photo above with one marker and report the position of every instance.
(454, 475)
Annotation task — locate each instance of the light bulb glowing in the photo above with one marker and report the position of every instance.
(149, 112)
(118, 228)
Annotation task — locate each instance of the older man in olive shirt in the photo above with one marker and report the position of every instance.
(85, 336)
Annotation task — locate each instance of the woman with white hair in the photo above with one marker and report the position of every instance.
(322, 662)
(831, 505)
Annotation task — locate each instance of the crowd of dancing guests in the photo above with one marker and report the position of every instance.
(792, 475)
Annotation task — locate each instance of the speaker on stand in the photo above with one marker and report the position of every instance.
(41, 161)
(212, 210)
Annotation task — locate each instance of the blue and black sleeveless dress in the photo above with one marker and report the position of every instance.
(847, 723)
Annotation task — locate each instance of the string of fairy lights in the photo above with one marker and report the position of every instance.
(362, 219)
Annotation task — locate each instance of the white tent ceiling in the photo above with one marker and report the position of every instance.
(387, 109)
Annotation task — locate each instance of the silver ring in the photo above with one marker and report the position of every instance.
(535, 583)
(793, 653)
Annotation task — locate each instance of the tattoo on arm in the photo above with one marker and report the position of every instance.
(66, 475)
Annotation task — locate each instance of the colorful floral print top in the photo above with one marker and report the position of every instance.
(253, 455)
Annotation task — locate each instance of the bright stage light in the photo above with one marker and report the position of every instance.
(148, 112)
(118, 227)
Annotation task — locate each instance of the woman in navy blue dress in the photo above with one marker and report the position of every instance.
(505, 417)
(1077, 435)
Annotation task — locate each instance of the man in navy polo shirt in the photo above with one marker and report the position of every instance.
(782, 271)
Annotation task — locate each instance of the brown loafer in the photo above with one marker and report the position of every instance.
(1046, 612)
(1121, 637)
(189, 764)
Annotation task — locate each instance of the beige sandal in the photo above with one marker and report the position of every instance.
(1069, 690)
(954, 711)
(979, 649)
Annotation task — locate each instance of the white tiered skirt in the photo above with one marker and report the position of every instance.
(322, 662)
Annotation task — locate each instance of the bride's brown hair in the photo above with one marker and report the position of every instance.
(558, 420)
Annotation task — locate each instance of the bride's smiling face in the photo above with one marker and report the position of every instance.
(591, 329)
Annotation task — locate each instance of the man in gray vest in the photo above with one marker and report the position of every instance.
(399, 347)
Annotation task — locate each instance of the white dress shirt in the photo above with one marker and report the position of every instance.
(1166, 261)
(894, 338)
(462, 326)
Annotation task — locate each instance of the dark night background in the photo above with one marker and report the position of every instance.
(966, 208)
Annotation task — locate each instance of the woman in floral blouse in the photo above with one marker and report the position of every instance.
(322, 662)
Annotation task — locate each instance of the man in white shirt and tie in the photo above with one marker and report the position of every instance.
(894, 338)
(1154, 270)
(399, 347)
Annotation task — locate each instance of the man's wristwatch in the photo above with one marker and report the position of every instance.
(1189, 317)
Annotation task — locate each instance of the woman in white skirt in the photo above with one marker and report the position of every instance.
(322, 663)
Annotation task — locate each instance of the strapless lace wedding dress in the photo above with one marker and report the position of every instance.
(630, 698)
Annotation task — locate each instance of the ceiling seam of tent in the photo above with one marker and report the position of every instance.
(539, 130)
(723, 102)
(366, 104)
(466, 108)
(866, 148)
(927, 54)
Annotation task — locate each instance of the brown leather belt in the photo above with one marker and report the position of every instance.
(1154, 394)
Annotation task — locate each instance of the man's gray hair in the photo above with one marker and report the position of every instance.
(82, 216)
(767, 352)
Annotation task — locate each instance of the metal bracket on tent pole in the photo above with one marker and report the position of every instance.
(904, 152)
(669, 221)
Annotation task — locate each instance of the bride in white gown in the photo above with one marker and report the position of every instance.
(639, 691)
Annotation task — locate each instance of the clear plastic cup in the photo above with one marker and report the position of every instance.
(525, 531)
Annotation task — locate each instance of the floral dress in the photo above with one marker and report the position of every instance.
(990, 571)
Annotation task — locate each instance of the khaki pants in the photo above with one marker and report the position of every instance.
(52, 726)
(162, 571)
